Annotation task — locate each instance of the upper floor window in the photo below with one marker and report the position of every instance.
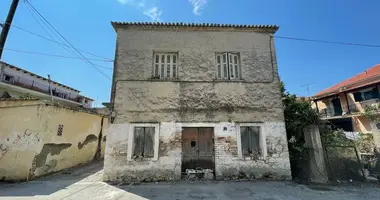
(165, 66)
(366, 94)
(228, 66)
(7, 78)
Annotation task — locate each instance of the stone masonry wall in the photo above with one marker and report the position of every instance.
(196, 98)
(228, 162)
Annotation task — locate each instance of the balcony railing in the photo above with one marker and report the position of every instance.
(328, 112)
(54, 93)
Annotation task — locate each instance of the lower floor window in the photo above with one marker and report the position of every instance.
(143, 142)
(250, 140)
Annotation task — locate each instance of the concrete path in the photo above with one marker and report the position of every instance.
(85, 183)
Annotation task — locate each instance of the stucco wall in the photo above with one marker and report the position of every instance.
(30, 146)
(27, 79)
(362, 124)
(195, 97)
(229, 162)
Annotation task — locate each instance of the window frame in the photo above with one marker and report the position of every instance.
(366, 90)
(228, 62)
(160, 65)
(131, 138)
(262, 139)
(11, 78)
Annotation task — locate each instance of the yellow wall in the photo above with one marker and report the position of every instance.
(361, 124)
(30, 146)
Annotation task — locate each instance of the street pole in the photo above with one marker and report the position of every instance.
(7, 25)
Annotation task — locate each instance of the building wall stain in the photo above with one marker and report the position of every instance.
(170, 144)
(49, 148)
(30, 146)
(90, 138)
(196, 97)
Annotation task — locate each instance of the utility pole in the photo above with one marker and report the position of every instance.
(7, 25)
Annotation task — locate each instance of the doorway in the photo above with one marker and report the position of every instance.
(197, 148)
(337, 107)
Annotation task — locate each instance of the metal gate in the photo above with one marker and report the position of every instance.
(197, 148)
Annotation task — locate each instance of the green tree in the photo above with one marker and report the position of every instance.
(298, 114)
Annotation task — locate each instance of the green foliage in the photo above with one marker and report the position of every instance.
(371, 112)
(298, 114)
(26, 96)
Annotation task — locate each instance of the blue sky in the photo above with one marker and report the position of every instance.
(86, 24)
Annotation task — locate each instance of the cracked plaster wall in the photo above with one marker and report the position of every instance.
(196, 96)
(228, 164)
(30, 146)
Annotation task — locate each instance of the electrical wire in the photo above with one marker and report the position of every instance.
(54, 55)
(72, 46)
(326, 41)
(52, 40)
(47, 33)
(62, 45)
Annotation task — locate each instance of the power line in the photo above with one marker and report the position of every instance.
(326, 41)
(89, 62)
(54, 55)
(52, 40)
(62, 45)
(47, 33)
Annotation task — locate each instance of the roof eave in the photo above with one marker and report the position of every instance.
(254, 28)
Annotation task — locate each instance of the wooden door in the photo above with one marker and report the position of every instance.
(197, 148)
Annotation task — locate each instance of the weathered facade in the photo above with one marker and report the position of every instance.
(16, 82)
(37, 138)
(195, 96)
(345, 103)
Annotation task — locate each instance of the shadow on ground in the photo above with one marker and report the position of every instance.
(51, 184)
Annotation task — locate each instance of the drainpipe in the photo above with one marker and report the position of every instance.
(100, 137)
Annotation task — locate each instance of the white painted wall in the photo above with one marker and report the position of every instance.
(27, 79)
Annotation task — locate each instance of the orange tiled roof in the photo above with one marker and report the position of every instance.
(368, 77)
(265, 28)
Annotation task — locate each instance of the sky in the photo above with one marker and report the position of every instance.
(86, 25)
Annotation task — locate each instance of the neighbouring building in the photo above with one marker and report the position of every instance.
(38, 138)
(195, 98)
(344, 103)
(16, 82)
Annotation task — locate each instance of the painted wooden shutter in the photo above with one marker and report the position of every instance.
(219, 66)
(225, 66)
(245, 144)
(149, 142)
(138, 141)
(254, 134)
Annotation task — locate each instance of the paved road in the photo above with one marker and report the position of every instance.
(85, 183)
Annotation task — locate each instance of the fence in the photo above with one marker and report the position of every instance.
(342, 163)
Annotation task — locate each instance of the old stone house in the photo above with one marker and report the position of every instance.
(195, 96)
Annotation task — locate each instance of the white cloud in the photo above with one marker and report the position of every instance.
(141, 3)
(126, 1)
(154, 13)
(151, 11)
(198, 6)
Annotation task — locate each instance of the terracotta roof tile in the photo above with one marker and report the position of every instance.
(368, 77)
(269, 28)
